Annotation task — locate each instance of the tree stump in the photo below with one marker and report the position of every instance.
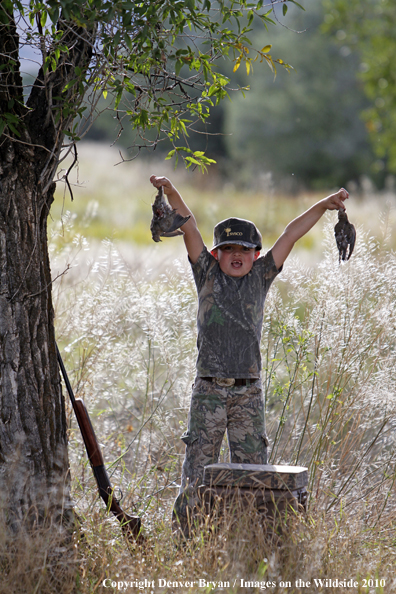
(272, 491)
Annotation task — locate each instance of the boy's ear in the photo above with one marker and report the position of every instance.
(256, 254)
(214, 253)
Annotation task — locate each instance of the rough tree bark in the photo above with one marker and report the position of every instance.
(33, 452)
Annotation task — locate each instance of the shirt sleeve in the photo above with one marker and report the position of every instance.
(267, 269)
(201, 267)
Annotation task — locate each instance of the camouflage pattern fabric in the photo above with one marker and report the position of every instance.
(239, 410)
(230, 317)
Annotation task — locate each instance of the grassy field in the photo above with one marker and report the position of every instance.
(112, 200)
(125, 316)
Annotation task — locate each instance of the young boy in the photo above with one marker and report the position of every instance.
(232, 282)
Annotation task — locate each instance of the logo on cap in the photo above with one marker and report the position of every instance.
(229, 232)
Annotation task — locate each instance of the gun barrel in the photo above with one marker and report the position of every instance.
(130, 524)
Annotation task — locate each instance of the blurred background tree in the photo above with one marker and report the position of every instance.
(324, 123)
(304, 126)
(367, 28)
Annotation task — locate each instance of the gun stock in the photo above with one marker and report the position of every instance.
(131, 525)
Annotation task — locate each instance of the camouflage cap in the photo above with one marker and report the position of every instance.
(237, 231)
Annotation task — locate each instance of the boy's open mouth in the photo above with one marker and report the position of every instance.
(236, 263)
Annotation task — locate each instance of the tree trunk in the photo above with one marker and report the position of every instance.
(33, 453)
(34, 483)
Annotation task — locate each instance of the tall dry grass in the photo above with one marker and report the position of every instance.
(127, 332)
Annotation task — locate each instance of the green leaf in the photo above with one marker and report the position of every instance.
(284, 10)
(128, 40)
(191, 160)
(178, 67)
(13, 129)
(70, 84)
(297, 4)
(118, 98)
(116, 39)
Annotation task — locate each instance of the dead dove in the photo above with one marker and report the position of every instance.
(165, 221)
(345, 236)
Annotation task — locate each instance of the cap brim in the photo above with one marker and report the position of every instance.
(236, 242)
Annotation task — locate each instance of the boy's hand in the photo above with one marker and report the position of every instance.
(336, 201)
(163, 181)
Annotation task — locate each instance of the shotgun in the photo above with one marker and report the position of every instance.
(130, 524)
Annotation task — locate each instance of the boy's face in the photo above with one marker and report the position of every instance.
(235, 260)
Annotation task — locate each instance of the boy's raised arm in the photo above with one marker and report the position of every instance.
(302, 224)
(192, 237)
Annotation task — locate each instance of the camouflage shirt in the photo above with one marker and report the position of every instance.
(230, 317)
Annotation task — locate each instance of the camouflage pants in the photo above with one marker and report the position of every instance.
(239, 410)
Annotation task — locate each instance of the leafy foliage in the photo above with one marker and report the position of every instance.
(158, 61)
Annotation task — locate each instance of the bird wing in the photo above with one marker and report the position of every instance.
(172, 233)
(177, 222)
(351, 235)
